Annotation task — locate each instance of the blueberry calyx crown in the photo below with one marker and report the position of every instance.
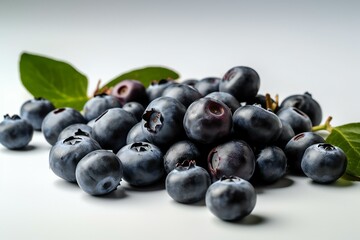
(186, 164)
(122, 90)
(225, 178)
(140, 147)
(215, 108)
(79, 132)
(153, 120)
(72, 140)
(13, 117)
(326, 146)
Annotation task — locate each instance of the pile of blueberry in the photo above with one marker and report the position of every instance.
(211, 139)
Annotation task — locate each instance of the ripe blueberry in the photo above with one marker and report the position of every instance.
(187, 183)
(99, 172)
(66, 153)
(207, 121)
(241, 82)
(143, 163)
(15, 133)
(130, 91)
(233, 158)
(324, 163)
(231, 198)
(256, 125)
(305, 103)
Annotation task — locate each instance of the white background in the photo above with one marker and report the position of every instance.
(295, 47)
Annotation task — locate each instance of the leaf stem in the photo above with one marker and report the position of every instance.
(270, 104)
(326, 126)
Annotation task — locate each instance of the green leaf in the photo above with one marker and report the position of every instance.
(347, 137)
(145, 75)
(54, 80)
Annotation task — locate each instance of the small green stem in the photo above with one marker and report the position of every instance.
(326, 126)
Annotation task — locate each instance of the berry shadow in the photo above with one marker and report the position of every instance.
(27, 148)
(119, 193)
(281, 183)
(151, 188)
(340, 183)
(200, 203)
(250, 220)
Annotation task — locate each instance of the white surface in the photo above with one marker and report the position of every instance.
(295, 47)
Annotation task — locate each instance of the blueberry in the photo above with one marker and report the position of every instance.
(271, 164)
(135, 108)
(157, 88)
(99, 172)
(226, 98)
(207, 121)
(130, 91)
(187, 183)
(180, 152)
(35, 110)
(66, 153)
(15, 133)
(324, 163)
(295, 148)
(241, 82)
(257, 126)
(58, 119)
(98, 104)
(231, 198)
(111, 128)
(305, 103)
(77, 129)
(183, 93)
(143, 163)
(297, 119)
(136, 134)
(207, 85)
(233, 158)
(162, 122)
